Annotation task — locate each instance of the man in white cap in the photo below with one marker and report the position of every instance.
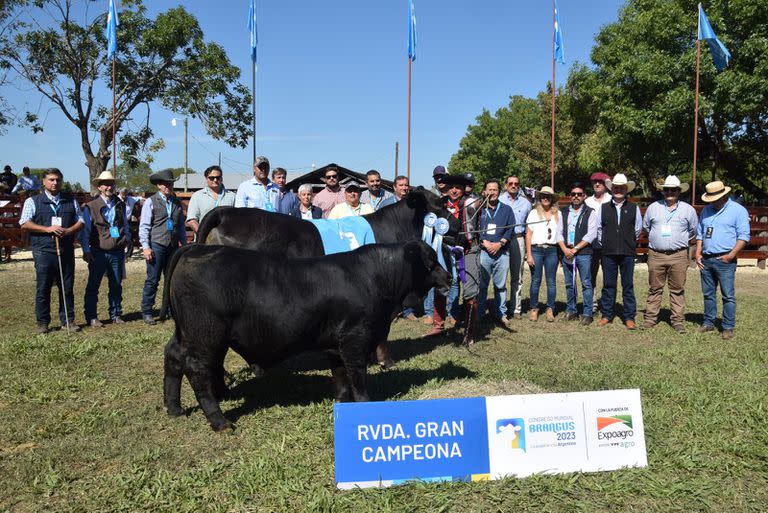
(104, 237)
(670, 225)
(722, 232)
(619, 227)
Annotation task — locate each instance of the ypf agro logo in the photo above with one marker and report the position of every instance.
(512, 430)
(615, 430)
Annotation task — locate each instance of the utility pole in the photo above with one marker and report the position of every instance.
(186, 155)
(219, 159)
(397, 152)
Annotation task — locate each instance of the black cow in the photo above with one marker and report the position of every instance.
(267, 309)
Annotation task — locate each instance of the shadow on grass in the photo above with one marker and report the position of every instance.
(280, 387)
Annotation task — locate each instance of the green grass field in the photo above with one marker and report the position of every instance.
(82, 428)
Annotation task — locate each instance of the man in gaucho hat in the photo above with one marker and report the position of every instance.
(465, 212)
(161, 231)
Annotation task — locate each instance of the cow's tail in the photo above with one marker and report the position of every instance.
(166, 307)
(211, 220)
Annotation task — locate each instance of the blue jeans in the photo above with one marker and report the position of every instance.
(718, 272)
(544, 262)
(155, 268)
(612, 266)
(111, 263)
(453, 295)
(47, 275)
(584, 268)
(495, 267)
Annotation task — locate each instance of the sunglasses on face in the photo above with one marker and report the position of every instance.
(547, 197)
(576, 194)
(598, 182)
(516, 184)
(214, 177)
(331, 177)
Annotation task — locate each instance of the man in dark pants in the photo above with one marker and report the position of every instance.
(103, 239)
(50, 216)
(161, 230)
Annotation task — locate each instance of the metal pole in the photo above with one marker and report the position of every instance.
(114, 104)
(552, 164)
(397, 156)
(253, 106)
(186, 154)
(61, 276)
(410, 64)
(696, 124)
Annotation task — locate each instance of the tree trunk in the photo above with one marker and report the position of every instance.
(95, 163)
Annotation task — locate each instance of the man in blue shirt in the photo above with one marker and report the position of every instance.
(496, 230)
(287, 201)
(722, 233)
(515, 198)
(375, 196)
(260, 191)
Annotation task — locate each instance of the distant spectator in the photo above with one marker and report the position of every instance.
(50, 216)
(260, 191)
(496, 230)
(27, 183)
(214, 194)
(402, 188)
(103, 239)
(722, 232)
(352, 205)
(332, 194)
(544, 223)
(161, 231)
(7, 180)
(286, 200)
(438, 175)
(304, 209)
(375, 196)
(469, 189)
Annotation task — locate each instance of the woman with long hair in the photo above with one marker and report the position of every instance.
(544, 223)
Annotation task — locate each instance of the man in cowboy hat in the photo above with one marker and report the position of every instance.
(670, 225)
(104, 238)
(600, 185)
(722, 232)
(619, 227)
(50, 216)
(161, 231)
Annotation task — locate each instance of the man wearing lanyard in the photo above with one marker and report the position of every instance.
(670, 225)
(352, 206)
(260, 191)
(516, 199)
(103, 238)
(161, 230)
(375, 196)
(49, 216)
(575, 241)
(286, 200)
(496, 230)
(722, 232)
(214, 194)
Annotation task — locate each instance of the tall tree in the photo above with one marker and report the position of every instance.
(9, 11)
(163, 60)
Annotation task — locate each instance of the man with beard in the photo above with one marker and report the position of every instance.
(515, 198)
(332, 194)
(375, 196)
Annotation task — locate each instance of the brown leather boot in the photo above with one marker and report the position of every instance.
(438, 316)
(471, 307)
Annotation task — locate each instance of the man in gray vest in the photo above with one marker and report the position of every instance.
(103, 238)
(618, 230)
(161, 231)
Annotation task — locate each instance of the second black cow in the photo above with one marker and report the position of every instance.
(268, 308)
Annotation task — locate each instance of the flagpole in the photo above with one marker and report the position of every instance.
(696, 123)
(253, 106)
(410, 65)
(552, 164)
(114, 105)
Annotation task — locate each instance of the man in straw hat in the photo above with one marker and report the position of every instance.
(670, 225)
(722, 232)
(52, 216)
(618, 230)
(161, 231)
(103, 238)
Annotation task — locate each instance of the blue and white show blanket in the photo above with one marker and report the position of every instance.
(345, 234)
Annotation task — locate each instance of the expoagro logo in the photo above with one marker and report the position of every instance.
(615, 429)
(514, 429)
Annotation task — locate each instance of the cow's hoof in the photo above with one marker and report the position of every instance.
(174, 411)
(224, 427)
(387, 364)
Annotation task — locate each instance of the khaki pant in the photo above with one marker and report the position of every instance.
(667, 270)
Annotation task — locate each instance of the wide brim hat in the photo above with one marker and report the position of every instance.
(166, 175)
(456, 180)
(672, 182)
(105, 176)
(621, 179)
(599, 177)
(715, 191)
(546, 191)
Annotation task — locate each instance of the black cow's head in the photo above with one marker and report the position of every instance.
(426, 271)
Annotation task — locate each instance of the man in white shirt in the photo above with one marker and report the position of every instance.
(600, 186)
(352, 205)
(260, 191)
(375, 195)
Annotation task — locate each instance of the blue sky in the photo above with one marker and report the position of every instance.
(332, 81)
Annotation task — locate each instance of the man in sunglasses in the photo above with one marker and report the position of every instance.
(521, 206)
(438, 175)
(575, 241)
(260, 191)
(332, 194)
(213, 195)
(600, 184)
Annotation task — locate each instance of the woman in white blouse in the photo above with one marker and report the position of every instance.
(544, 223)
